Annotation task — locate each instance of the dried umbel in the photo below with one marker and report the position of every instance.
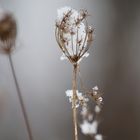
(8, 31)
(73, 34)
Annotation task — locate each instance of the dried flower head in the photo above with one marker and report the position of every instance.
(8, 31)
(73, 34)
(96, 96)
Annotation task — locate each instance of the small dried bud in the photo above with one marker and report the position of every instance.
(96, 95)
(83, 14)
(8, 31)
(90, 29)
(99, 100)
(90, 34)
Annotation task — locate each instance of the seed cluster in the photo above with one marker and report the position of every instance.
(73, 34)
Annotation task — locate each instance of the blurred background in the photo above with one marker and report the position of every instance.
(113, 65)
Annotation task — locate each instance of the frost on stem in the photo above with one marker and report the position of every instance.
(8, 31)
(81, 99)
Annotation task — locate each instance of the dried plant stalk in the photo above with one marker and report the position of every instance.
(74, 88)
(27, 124)
(74, 38)
(8, 32)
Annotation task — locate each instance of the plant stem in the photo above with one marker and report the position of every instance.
(21, 99)
(74, 87)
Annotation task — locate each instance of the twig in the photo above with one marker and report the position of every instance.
(74, 87)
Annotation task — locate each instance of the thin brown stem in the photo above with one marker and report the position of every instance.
(72, 44)
(21, 99)
(81, 81)
(77, 38)
(74, 87)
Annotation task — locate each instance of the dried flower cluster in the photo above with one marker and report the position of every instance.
(8, 31)
(90, 120)
(74, 38)
(73, 34)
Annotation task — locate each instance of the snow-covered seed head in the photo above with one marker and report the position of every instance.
(8, 31)
(73, 34)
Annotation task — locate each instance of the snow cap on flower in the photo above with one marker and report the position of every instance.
(61, 12)
(72, 34)
(80, 97)
(98, 137)
(89, 128)
(97, 109)
(100, 99)
(95, 88)
(69, 93)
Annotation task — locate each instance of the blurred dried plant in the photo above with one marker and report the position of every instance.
(8, 33)
(74, 37)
